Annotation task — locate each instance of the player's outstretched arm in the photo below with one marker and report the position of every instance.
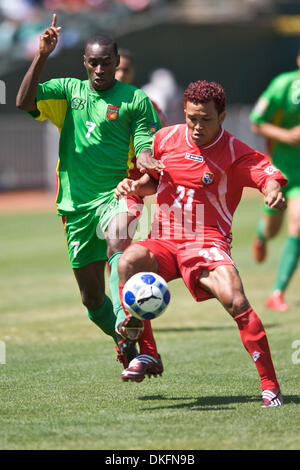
(145, 162)
(26, 97)
(273, 195)
(145, 186)
(280, 134)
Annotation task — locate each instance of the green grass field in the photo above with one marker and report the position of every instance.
(61, 387)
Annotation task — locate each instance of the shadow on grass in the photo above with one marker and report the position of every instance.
(210, 403)
(205, 328)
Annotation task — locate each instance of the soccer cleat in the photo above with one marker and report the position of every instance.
(130, 328)
(127, 332)
(121, 357)
(142, 365)
(276, 302)
(259, 249)
(271, 397)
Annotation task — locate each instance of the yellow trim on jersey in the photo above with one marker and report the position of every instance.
(54, 110)
(277, 120)
(57, 184)
(131, 155)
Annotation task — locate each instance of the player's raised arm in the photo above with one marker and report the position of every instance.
(26, 97)
(49, 38)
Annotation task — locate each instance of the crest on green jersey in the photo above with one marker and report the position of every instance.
(112, 112)
(78, 103)
(153, 128)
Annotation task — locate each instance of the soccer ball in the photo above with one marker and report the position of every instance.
(146, 295)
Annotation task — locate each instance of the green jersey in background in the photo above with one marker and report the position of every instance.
(279, 104)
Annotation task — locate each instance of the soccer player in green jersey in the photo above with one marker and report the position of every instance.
(276, 117)
(103, 123)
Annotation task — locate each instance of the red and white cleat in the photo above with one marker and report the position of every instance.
(259, 250)
(142, 365)
(271, 397)
(276, 302)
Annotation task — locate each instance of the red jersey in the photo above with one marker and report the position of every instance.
(200, 187)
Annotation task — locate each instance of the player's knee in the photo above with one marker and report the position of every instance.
(117, 245)
(120, 232)
(236, 304)
(134, 260)
(127, 263)
(92, 300)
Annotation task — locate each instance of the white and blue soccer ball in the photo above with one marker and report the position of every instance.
(146, 295)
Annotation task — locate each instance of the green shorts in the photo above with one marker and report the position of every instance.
(289, 192)
(85, 230)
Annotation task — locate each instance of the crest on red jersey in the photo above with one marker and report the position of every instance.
(112, 112)
(207, 178)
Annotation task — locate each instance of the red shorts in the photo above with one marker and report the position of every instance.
(188, 260)
(135, 205)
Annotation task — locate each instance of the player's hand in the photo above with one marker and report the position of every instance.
(126, 187)
(145, 162)
(276, 200)
(273, 195)
(49, 38)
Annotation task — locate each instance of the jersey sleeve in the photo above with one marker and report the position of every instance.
(254, 170)
(144, 124)
(270, 102)
(155, 154)
(51, 102)
(160, 114)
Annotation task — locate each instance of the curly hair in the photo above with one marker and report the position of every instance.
(203, 92)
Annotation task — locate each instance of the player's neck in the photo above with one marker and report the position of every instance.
(212, 141)
(98, 90)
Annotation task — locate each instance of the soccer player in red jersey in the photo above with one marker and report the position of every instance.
(198, 191)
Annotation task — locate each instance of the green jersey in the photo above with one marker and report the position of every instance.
(100, 133)
(279, 104)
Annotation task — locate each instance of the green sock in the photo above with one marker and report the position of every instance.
(288, 263)
(105, 318)
(260, 232)
(114, 287)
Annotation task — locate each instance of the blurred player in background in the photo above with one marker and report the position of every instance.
(126, 70)
(205, 168)
(126, 73)
(276, 117)
(103, 124)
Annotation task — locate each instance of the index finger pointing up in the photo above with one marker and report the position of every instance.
(54, 20)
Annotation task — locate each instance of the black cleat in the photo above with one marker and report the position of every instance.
(128, 332)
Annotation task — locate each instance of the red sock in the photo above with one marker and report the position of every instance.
(255, 341)
(121, 299)
(146, 340)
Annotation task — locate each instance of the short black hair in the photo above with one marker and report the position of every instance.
(103, 40)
